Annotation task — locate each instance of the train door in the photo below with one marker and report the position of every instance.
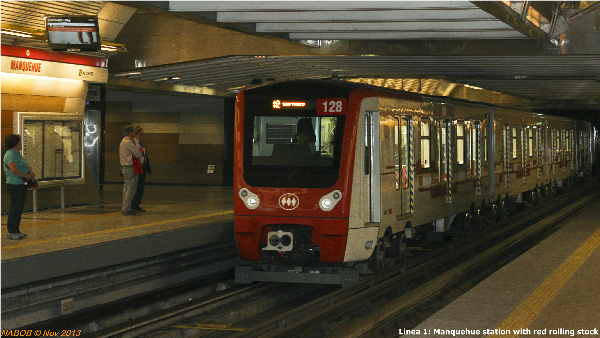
(540, 150)
(553, 151)
(525, 147)
(405, 162)
(391, 180)
(476, 156)
(506, 152)
(579, 150)
(444, 128)
(572, 152)
(372, 166)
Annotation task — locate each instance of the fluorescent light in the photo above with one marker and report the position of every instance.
(37, 77)
(108, 48)
(128, 74)
(16, 33)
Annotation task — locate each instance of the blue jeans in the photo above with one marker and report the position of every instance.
(129, 187)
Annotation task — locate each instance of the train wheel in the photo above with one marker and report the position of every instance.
(543, 191)
(499, 209)
(528, 198)
(487, 213)
(377, 259)
(475, 219)
(536, 195)
(399, 247)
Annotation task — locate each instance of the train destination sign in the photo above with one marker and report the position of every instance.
(278, 104)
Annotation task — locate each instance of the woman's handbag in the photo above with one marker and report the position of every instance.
(30, 184)
(137, 166)
(146, 164)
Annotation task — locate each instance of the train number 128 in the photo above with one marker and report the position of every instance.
(331, 106)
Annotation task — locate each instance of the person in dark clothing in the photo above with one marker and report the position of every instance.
(15, 169)
(141, 183)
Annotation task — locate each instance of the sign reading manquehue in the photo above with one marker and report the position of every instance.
(26, 66)
(53, 69)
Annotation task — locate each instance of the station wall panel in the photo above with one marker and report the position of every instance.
(182, 134)
(47, 197)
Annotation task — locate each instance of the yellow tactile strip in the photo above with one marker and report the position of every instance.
(532, 306)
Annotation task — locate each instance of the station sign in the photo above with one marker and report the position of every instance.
(24, 66)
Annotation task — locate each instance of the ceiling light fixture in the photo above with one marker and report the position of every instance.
(108, 48)
(16, 33)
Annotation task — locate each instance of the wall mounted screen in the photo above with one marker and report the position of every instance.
(73, 33)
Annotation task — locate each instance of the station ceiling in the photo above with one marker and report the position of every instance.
(353, 20)
(540, 71)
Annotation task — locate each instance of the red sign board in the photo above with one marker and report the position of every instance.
(333, 106)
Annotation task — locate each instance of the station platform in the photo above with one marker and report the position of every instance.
(551, 290)
(63, 242)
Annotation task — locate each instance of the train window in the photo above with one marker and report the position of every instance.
(476, 152)
(553, 145)
(442, 151)
(298, 151)
(445, 149)
(573, 146)
(514, 141)
(460, 143)
(567, 145)
(484, 143)
(530, 140)
(397, 155)
(404, 153)
(425, 143)
(473, 143)
(506, 146)
(558, 144)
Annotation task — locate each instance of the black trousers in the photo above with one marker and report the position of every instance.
(139, 193)
(18, 194)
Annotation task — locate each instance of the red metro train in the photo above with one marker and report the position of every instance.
(331, 176)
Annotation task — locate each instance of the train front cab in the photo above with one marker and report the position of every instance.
(292, 212)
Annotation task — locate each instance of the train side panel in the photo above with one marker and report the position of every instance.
(360, 229)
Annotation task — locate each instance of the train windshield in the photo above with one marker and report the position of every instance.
(300, 151)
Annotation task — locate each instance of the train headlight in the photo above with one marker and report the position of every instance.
(328, 202)
(250, 199)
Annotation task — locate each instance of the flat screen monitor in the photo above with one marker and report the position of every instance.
(73, 33)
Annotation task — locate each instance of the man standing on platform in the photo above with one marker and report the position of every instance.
(141, 182)
(127, 150)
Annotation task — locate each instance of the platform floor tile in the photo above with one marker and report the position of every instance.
(575, 306)
(167, 208)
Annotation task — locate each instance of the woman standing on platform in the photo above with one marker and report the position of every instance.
(15, 169)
